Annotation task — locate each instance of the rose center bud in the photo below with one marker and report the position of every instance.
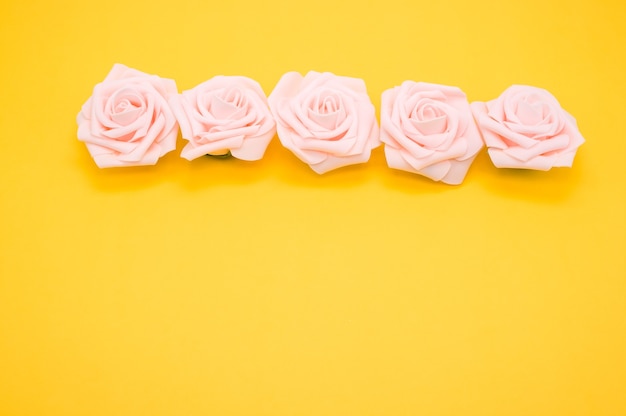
(329, 104)
(229, 104)
(429, 119)
(126, 106)
(326, 110)
(532, 111)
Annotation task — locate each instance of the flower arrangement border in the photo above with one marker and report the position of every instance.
(327, 121)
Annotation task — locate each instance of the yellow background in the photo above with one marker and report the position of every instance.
(233, 288)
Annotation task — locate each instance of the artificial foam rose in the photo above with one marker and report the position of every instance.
(527, 128)
(225, 114)
(327, 121)
(127, 121)
(429, 129)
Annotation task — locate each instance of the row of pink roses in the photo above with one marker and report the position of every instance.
(327, 121)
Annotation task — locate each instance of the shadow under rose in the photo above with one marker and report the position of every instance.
(407, 182)
(197, 174)
(553, 186)
(207, 171)
(293, 171)
(127, 179)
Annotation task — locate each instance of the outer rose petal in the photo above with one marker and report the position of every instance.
(512, 144)
(445, 156)
(323, 148)
(246, 132)
(142, 142)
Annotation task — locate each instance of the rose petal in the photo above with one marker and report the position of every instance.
(458, 171)
(217, 134)
(473, 140)
(479, 109)
(253, 148)
(289, 138)
(223, 109)
(502, 160)
(147, 141)
(564, 159)
(110, 160)
(396, 159)
(542, 147)
(435, 125)
(502, 130)
(332, 162)
(457, 150)
(193, 151)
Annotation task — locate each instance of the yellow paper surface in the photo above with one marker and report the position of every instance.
(222, 287)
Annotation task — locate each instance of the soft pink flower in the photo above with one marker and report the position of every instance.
(225, 114)
(127, 121)
(327, 121)
(429, 129)
(527, 128)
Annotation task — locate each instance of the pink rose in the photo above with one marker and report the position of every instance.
(429, 129)
(225, 114)
(326, 120)
(127, 121)
(527, 128)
